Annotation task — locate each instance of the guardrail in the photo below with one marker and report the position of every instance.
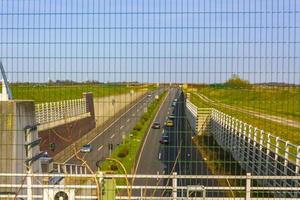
(54, 111)
(70, 168)
(173, 191)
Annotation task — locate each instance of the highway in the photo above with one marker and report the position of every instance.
(180, 155)
(113, 134)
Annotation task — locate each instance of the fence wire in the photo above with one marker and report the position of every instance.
(149, 87)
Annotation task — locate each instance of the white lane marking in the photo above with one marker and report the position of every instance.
(121, 127)
(128, 120)
(100, 148)
(109, 126)
(142, 149)
(111, 137)
(159, 156)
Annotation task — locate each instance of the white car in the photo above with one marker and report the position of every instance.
(86, 148)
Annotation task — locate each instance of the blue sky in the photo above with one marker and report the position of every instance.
(151, 40)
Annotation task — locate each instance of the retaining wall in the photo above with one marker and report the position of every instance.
(57, 135)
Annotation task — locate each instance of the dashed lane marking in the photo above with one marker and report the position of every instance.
(100, 148)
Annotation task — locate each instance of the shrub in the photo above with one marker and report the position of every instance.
(236, 82)
(145, 118)
(113, 167)
(134, 133)
(123, 152)
(138, 127)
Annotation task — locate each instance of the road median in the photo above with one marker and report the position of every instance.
(128, 152)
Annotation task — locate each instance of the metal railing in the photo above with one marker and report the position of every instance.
(87, 189)
(191, 112)
(257, 151)
(70, 168)
(54, 111)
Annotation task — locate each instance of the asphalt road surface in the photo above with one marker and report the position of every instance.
(114, 133)
(179, 155)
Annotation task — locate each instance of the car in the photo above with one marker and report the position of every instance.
(86, 148)
(175, 100)
(164, 139)
(156, 125)
(149, 95)
(172, 117)
(169, 123)
(174, 104)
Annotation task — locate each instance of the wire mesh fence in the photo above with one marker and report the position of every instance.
(199, 88)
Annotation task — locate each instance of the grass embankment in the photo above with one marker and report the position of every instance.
(285, 132)
(48, 93)
(279, 101)
(254, 98)
(127, 152)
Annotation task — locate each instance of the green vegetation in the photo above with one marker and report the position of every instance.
(283, 131)
(127, 152)
(219, 161)
(281, 101)
(278, 101)
(56, 92)
(236, 82)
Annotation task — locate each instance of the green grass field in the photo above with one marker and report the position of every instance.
(279, 101)
(48, 93)
(251, 99)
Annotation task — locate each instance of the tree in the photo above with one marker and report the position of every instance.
(236, 82)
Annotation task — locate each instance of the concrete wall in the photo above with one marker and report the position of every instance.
(109, 107)
(105, 113)
(15, 116)
(59, 135)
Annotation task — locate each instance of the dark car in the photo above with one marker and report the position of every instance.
(156, 125)
(164, 139)
(172, 117)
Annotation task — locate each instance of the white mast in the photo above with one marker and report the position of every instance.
(6, 93)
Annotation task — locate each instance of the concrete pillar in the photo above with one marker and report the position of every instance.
(89, 103)
(15, 116)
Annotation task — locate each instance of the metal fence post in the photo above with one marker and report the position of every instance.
(174, 185)
(268, 155)
(298, 161)
(248, 186)
(262, 162)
